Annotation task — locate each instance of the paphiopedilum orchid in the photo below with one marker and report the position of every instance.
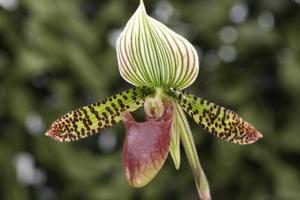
(159, 63)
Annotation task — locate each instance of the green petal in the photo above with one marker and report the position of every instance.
(97, 116)
(217, 120)
(175, 143)
(191, 153)
(150, 54)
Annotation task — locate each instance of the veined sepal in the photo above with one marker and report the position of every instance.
(150, 54)
(175, 141)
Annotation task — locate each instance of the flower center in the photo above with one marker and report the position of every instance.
(155, 106)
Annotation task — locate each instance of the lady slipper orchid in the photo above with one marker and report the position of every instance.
(159, 63)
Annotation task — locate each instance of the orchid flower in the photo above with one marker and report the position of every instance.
(160, 64)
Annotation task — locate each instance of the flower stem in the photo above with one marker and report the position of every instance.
(192, 156)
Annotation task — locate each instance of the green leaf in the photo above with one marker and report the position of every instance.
(191, 153)
(150, 54)
(175, 142)
(215, 119)
(97, 116)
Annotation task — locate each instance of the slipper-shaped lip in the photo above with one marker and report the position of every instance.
(146, 147)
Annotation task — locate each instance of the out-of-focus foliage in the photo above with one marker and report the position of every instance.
(57, 55)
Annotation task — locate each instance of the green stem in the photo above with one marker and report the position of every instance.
(192, 156)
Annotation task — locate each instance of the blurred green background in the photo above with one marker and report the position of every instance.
(57, 55)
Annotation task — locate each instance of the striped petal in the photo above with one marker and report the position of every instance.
(215, 119)
(150, 54)
(97, 116)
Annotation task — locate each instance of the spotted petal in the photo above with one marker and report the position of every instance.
(146, 147)
(150, 54)
(217, 120)
(97, 116)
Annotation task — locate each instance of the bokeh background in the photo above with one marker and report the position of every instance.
(57, 55)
